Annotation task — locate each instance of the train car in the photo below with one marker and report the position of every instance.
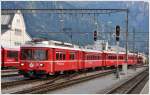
(110, 58)
(93, 59)
(140, 59)
(47, 58)
(10, 57)
(41, 59)
(132, 59)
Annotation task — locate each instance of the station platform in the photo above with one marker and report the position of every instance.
(145, 90)
(98, 85)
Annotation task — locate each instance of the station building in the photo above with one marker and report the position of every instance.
(13, 30)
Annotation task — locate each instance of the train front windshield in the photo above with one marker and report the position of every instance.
(34, 54)
(12, 54)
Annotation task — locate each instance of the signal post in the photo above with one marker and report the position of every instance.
(117, 44)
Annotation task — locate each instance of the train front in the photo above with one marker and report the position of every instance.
(34, 61)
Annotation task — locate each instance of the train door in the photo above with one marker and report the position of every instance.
(104, 58)
(80, 60)
(52, 54)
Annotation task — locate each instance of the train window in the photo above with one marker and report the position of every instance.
(115, 57)
(60, 56)
(26, 54)
(120, 57)
(108, 57)
(99, 57)
(64, 56)
(111, 57)
(12, 54)
(88, 57)
(57, 56)
(39, 54)
(96, 57)
(72, 56)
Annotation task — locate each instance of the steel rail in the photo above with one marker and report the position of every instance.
(9, 75)
(125, 87)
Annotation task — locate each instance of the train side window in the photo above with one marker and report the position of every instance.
(72, 56)
(115, 57)
(111, 57)
(57, 56)
(64, 56)
(108, 57)
(88, 57)
(60, 56)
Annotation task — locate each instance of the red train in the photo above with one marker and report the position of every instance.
(10, 57)
(45, 58)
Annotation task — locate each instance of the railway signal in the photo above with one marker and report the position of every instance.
(117, 32)
(95, 35)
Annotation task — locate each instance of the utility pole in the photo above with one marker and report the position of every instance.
(134, 48)
(125, 68)
(117, 39)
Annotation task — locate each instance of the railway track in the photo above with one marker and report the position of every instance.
(15, 83)
(9, 75)
(9, 70)
(131, 86)
(49, 86)
(23, 82)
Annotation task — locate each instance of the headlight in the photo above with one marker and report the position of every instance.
(41, 64)
(22, 64)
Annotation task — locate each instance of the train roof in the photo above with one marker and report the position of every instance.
(59, 45)
(15, 49)
(119, 52)
(63, 45)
